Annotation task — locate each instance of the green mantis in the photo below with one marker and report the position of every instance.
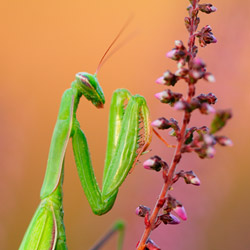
(129, 134)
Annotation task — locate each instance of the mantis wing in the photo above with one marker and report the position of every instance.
(42, 231)
(129, 147)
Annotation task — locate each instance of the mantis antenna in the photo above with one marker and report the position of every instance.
(101, 63)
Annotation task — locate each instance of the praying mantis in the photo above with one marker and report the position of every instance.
(129, 135)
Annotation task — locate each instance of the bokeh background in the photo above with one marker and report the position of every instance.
(44, 43)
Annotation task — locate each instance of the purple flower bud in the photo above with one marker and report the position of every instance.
(172, 54)
(161, 95)
(154, 163)
(210, 152)
(179, 44)
(169, 219)
(207, 8)
(181, 212)
(167, 96)
(198, 63)
(196, 74)
(195, 181)
(181, 72)
(207, 109)
(175, 206)
(209, 139)
(168, 78)
(161, 80)
(168, 75)
(150, 245)
(157, 123)
(181, 63)
(209, 77)
(161, 123)
(223, 141)
(191, 178)
(142, 211)
(176, 54)
(180, 105)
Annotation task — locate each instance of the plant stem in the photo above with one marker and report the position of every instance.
(177, 155)
(169, 177)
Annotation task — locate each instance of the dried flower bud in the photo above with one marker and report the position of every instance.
(194, 104)
(150, 245)
(189, 135)
(210, 98)
(203, 130)
(195, 50)
(174, 124)
(196, 22)
(186, 149)
(142, 211)
(187, 21)
(206, 36)
(207, 8)
(155, 163)
(169, 219)
(193, 11)
(223, 141)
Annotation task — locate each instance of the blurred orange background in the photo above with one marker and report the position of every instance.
(43, 45)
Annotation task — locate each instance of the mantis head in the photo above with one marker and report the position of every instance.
(91, 88)
(89, 84)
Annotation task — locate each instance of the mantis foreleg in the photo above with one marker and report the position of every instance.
(125, 144)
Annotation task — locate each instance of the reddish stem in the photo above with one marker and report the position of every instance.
(177, 155)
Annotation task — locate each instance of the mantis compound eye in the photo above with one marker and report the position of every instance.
(84, 80)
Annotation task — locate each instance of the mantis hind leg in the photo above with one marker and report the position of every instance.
(119, 227)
